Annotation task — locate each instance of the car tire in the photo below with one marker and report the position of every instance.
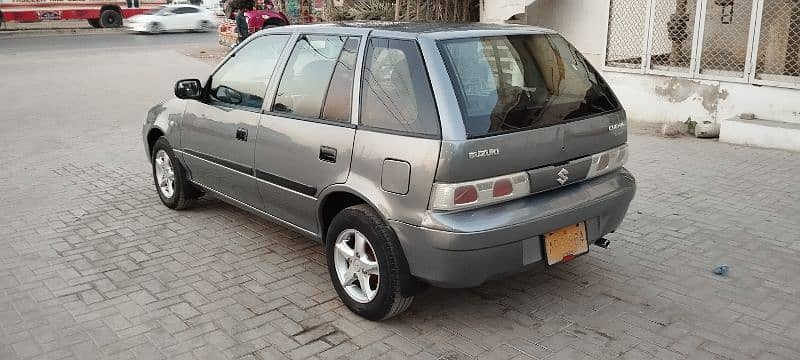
(154, 28)
(203, 26)
(169, 177)
(381, 246)
(95, 23)
(110, 19)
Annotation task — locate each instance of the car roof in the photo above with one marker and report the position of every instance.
(182, 5)
(423, 29)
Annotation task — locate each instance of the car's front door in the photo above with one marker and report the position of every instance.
(305, 141)
(218, 135)
(184, 18)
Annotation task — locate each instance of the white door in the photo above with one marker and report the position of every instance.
(186, 18)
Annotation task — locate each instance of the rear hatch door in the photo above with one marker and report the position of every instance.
(529, 103)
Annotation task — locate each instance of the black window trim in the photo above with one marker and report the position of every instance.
(185, 10)
(330, 80)
(309, 119)
(398, 132)
(427, 75)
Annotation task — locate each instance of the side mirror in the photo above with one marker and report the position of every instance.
(188, 89)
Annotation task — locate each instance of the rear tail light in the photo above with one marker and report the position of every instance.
(480, 192)
(502, 187)
(608, 161)
(467, 194)
(484, 192)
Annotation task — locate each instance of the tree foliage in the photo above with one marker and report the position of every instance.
(404, 10)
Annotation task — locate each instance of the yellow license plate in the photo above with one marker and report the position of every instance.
(566, 243)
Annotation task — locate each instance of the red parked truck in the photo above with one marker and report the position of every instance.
(99, 13)
(263, 16)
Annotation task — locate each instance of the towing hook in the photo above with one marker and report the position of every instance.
(603, 243)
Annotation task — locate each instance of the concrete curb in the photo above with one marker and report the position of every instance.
(56, 31)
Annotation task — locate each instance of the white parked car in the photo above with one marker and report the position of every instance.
(173, 18)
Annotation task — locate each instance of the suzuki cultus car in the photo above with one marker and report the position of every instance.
(446, 155)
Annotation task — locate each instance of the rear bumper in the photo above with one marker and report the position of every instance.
(468, 248)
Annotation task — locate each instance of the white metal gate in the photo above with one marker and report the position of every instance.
(749, 41)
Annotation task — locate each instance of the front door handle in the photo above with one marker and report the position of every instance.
(327, 154)
(241, 134)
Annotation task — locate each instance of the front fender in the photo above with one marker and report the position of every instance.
(165, 120)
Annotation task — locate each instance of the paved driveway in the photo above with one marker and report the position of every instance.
(93, 266)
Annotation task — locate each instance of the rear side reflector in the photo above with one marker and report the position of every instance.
(608, 161)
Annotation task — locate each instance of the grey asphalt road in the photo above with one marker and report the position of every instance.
(20, 42)
(74, 98)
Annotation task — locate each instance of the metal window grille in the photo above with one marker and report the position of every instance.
(755, 41)
(726, 35)
(672, 35)
(627, 33)
(779, 42)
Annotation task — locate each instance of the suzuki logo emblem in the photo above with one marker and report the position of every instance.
(562, 176)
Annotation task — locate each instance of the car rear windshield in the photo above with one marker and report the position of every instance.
(519, 82)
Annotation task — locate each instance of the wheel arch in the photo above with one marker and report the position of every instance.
(152, 136)
(111, 7)
(336, 198)
(339, 197)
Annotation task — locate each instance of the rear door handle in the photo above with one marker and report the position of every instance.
(241, 134)
(327, 154)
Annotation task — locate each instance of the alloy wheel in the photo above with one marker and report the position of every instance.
(165, 174)
(356, 266)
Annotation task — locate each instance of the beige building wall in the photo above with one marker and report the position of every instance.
(582, 22)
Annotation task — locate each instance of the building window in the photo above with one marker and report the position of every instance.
(707, 39)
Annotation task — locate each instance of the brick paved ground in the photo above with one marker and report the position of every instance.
(93, 266)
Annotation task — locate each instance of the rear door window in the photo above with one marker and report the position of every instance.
(308, 72)
(519, 82)
(338, 101)
(395, 90)
(185, 10)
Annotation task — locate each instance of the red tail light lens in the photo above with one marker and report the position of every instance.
(470, 194)
(502, 187)
(465, 195)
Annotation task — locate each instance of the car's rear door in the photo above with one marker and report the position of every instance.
(186, 17)
(218, 135)
(305, 139)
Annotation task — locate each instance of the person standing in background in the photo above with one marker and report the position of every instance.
(241, 25)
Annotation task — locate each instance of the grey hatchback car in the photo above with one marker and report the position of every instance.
(416, 154)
